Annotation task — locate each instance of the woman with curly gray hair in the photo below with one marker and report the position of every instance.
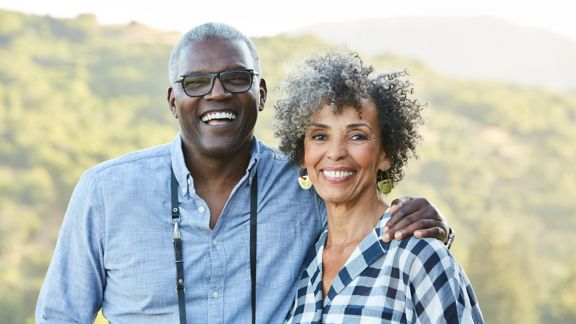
(353, 134)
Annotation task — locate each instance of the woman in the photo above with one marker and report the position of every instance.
(353, 135)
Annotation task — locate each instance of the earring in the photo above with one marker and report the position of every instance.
(304, 181)
(384, 184)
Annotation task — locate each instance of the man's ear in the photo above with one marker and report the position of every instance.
(263, 94)
(172, 102)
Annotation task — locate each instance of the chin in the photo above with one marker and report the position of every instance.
(333, 198)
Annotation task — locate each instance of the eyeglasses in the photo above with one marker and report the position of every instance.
(201, 84)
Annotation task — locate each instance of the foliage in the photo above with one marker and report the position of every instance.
(497, 159)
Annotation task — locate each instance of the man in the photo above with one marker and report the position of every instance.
(121, 233)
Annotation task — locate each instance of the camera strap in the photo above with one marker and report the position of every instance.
(177, 240)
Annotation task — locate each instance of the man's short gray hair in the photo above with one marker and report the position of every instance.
(211, 30)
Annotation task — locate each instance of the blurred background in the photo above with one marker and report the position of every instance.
(85, 82)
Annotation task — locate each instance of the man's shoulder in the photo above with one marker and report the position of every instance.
(274, 166)
(271, 153)
(149, 156)
(272, 157)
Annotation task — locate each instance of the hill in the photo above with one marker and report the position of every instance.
(468, 47)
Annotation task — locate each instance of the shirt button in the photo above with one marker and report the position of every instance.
(215, 294)
(214, 241)
(201, 209)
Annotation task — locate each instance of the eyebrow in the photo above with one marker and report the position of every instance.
(317, 125)
(236, 68)
(355, 125)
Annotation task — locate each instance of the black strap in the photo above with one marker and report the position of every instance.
(177, 239)
(253, 237)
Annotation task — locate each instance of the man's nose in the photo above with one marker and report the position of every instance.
(218, 89)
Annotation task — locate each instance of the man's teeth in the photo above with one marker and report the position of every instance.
(337, 174)
(218, 115)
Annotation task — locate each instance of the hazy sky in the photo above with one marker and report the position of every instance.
(269, 17)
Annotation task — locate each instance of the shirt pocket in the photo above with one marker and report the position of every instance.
(136, 264)
(280, 253)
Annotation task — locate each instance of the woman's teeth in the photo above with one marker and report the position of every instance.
(337, 174)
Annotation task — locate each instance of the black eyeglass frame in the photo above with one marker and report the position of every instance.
(215, 76)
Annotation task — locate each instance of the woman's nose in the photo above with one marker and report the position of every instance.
(336, 150)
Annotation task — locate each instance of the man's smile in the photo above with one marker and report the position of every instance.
(217, 118)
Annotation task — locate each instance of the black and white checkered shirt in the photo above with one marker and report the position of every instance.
(408, 281)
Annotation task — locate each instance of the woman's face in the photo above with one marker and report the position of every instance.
(343, 153)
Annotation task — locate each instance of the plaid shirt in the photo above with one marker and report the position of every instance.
(408, 281)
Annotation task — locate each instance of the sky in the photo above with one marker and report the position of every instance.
(269, 17)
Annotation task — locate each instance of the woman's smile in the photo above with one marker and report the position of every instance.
(337, 175)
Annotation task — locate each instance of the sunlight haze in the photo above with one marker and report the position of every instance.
(266, 18)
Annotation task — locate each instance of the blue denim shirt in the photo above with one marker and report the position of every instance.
(115, 250)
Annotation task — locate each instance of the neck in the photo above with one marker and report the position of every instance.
(350, 222)
(216, 171)
(215, 177)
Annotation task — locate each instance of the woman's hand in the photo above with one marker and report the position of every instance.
(415, 216)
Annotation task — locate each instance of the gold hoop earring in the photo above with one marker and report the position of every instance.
(304, 181)
(384, 183)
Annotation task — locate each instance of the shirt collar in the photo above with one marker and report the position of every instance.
(254, 157)
(367, 252)
(182, 173)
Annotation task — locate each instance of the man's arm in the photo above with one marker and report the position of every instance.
(418, 217)
(72, 291)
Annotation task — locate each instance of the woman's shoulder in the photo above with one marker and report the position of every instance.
(426, 251)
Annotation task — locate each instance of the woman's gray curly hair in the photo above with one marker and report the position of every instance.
(340, 80)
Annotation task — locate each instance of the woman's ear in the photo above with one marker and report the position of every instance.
(383, 162)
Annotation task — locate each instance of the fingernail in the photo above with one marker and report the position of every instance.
(386, 229)
(398, 235)
(386, 237)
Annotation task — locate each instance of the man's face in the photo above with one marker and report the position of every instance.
(220, 123)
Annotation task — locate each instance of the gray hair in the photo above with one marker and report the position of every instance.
(340, 80)
(211, 30)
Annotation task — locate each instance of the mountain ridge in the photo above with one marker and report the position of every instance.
(466, 47)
